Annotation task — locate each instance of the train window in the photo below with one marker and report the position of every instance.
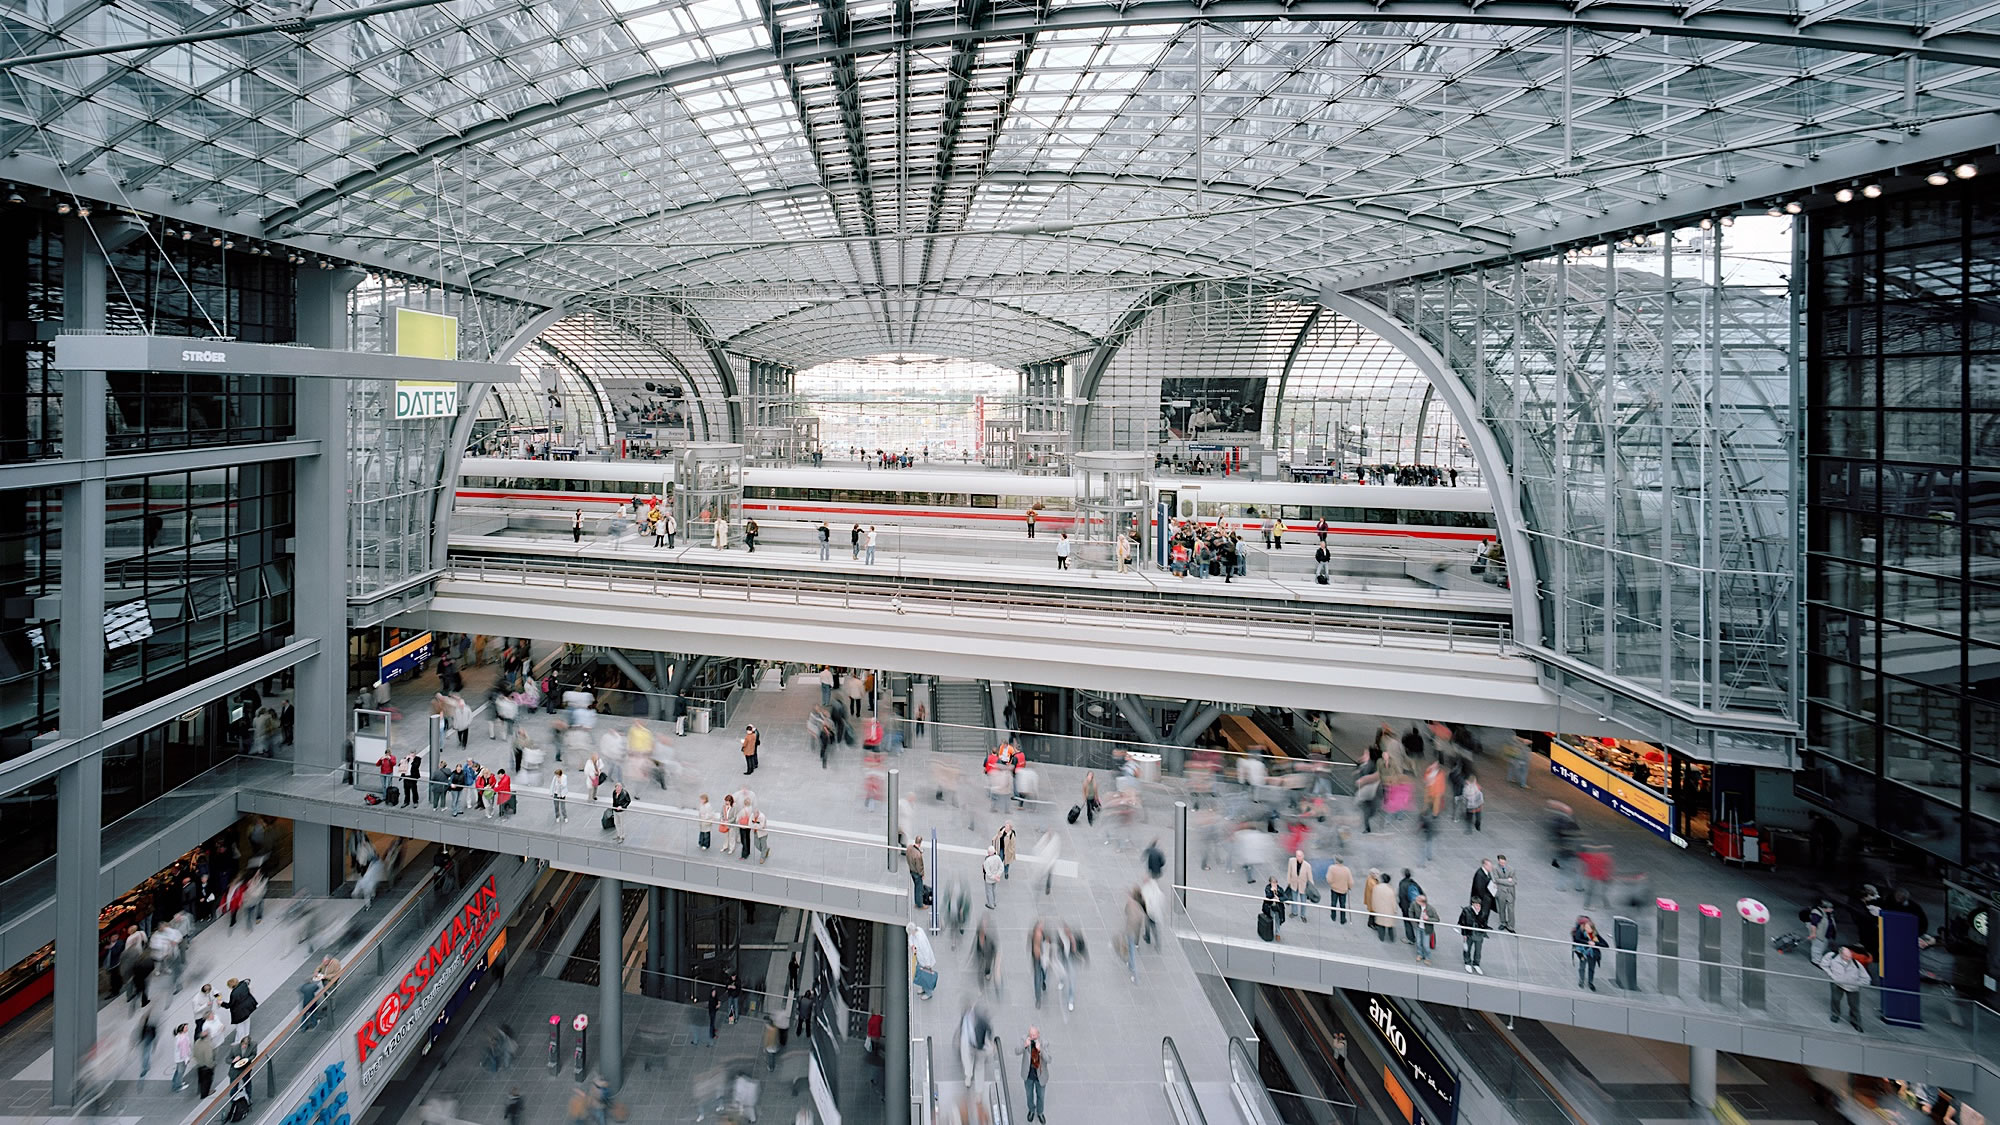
(1380, 515)
(982, 500)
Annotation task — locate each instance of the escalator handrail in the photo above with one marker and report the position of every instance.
(1247, 1086)
(1179, 1089)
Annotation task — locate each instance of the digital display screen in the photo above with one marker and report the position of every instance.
(1212, 405)
(128, 623)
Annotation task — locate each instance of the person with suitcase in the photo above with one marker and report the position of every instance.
(1272, 914)
(1321, 557)
(614, 817)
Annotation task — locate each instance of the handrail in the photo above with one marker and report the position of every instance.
(1179, 1087)
(1247, 1087)
(1242, 620)
(923, 1087)
(998, 1110)
(323, 1008)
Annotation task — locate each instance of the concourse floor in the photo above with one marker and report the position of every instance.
(1115, 1032)
(276, 956)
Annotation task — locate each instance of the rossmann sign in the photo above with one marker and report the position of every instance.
(411, 1006)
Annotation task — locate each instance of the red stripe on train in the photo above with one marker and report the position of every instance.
(1476, 535)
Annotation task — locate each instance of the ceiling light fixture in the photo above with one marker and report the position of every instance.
(83, 210)
(1966, 170)
(63, 208)
(1775, 211)
(1872, 190)
(215, 241)
(1707, 223)
(1794, 207)
(187, 235)
(228, 244)
(1844, 195)
(14, 195)
(1938, 178)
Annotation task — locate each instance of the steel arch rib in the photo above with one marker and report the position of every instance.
(1493, 467)
(1870, 37)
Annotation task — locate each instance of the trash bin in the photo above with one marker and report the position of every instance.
(700, 717)
(1144, 765)
(1625, 935)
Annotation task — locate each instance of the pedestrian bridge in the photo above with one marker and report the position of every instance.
(1268, 654)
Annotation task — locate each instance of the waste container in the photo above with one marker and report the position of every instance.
(1625, 935)
(700, 717)
(1146, 766)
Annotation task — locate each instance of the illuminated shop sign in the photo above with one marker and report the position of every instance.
(407, 1009)
(1435, 1084)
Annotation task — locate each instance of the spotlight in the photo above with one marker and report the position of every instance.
(1938, 178)
(83, 210)
(1966, 170)
(1872, 190)
(215, 241)
(187, 235)
(14, 195)
(62, 208)
(1729, 220)
(1775, 211)
(1844, 195)
(227, 244)
(1794, 207)
(1707, 223)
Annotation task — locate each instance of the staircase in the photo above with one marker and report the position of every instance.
(959, 706)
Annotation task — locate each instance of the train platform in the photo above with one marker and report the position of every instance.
(1387, 579)
(823, 826)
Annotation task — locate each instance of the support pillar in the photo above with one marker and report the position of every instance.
(319, 557)
(652, 982)
(895, 1023)
(892, 829)
(316, 860)
(80, 656)
(1134, 710)
(79, 895)
(1701, 1076)
(611, 982)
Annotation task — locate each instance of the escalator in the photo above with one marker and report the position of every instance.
(582, 967)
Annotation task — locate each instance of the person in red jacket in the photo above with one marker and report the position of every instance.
(503, 791)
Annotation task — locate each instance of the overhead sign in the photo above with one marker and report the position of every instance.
(1630, 799)
(1434, 1083)
(404, 658)
(408, 1008)
(426, 335)
(426, 400)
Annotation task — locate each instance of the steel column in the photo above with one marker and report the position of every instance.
(611, 982)
(895, 943)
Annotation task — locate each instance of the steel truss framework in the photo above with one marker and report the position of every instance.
(1642, 402)
(927, 164)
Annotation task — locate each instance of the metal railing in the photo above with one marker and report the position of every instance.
(1278, 621)
(923, 1082)
(1179, 1087)
(1247, 1087)
(303, 1037)
(1778, 998)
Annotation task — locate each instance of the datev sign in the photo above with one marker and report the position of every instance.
(426, 400)
(1434, 1082)
(411, 1006)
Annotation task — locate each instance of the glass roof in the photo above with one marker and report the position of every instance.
(1026, 171)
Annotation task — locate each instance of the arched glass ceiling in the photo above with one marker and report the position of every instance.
(892, 155)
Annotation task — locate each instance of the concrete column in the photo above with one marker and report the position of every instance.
(80, 660)
(895, 1022)
(316, 860)
(319, 555)
(1701, 1076)
(611, 982)
(79, 896)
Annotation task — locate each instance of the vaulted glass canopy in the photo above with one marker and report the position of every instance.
(1019, 173)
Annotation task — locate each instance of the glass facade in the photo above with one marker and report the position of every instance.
(30, 570)
(1903, 518)
(194, 576)
(1641, 396)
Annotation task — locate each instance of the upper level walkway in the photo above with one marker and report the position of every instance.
(1273, 655)
(829, 851)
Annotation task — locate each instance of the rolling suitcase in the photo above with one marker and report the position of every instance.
(1266, 929)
